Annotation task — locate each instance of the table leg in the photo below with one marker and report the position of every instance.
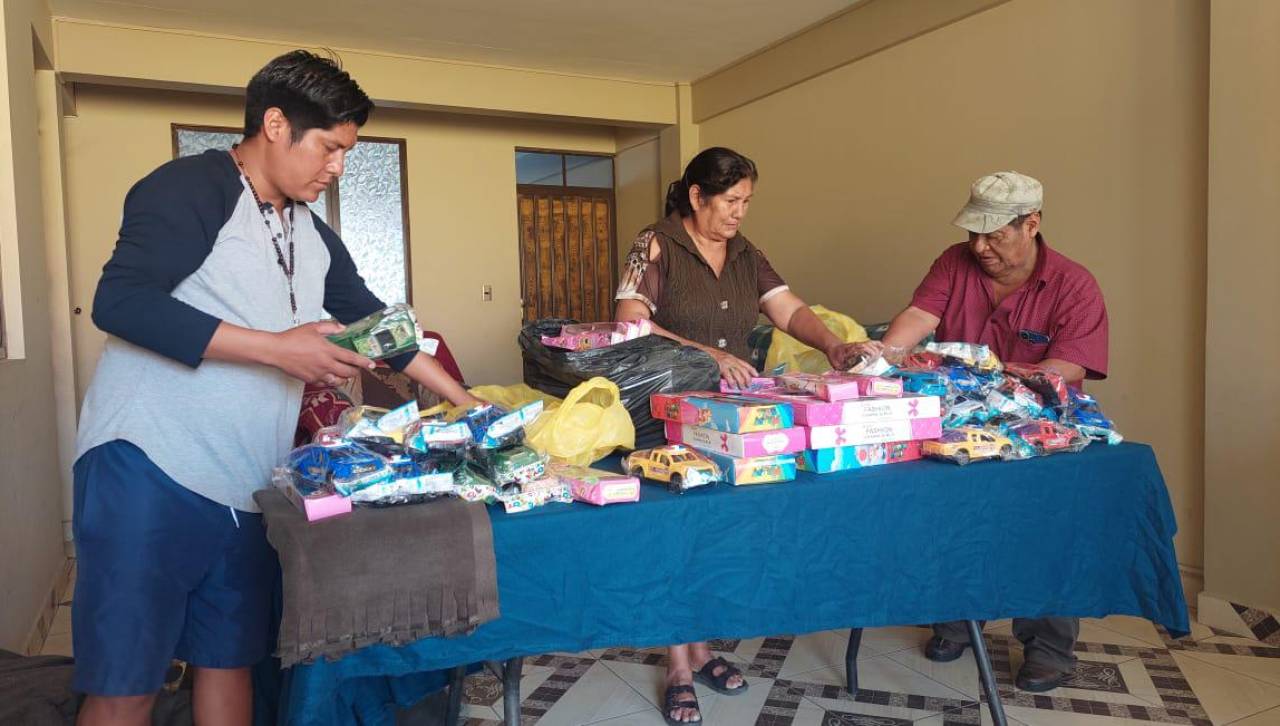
(851, 661)
(454, 715)
(511, 691)
(984, 672)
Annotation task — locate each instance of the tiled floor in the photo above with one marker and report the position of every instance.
(1130, 672)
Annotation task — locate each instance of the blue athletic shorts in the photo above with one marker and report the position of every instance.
(161, 573)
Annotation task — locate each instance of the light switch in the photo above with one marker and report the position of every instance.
(486, 293)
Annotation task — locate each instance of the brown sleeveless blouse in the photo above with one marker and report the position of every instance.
(685, 296)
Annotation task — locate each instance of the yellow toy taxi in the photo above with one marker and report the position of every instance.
(969, 443)
(679, 466)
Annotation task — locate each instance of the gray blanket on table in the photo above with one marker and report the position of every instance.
(391, 575)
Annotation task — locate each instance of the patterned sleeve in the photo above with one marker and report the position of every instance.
(642, 277)
(768, 282)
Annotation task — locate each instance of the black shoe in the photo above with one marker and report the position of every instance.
(1038, 678)
(941, 650)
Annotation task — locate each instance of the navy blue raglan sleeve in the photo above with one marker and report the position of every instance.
(346, 297)
(171, 220)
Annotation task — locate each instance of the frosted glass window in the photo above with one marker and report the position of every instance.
(194, 141)
(371, 209)
(589, 171)
(370, 212)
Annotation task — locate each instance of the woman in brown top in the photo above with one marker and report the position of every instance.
(704, 284)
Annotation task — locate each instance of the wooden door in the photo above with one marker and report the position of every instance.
(567, 265)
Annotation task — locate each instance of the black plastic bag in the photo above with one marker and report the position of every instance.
(639, 368)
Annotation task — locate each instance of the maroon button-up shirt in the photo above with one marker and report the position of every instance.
(1058, 313)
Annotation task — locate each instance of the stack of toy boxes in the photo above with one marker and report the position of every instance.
(752, 440)
(853, 421)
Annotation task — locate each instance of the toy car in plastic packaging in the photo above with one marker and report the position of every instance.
(925, 383)
(969, 443)
(1084, 411)
(1048, 384)
(437, 435)
(976, 356)
(511, 465)
(963, 412)
(1047, 437)
(679, 466)
(386, 333)
(348, 467)
(494, 428)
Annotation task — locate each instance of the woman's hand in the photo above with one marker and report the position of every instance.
(733, 369)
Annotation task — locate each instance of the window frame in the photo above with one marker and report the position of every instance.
(333, 205)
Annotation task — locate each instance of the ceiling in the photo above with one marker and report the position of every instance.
(659, 40)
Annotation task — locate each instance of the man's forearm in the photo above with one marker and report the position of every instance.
(427, 371)
(909, 328)
(1070, 372)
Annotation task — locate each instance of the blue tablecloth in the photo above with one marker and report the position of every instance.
(1085, 535)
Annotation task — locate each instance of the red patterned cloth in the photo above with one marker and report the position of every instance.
(321, 406)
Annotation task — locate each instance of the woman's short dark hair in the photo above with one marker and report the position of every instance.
(714, 171)
(313, 92)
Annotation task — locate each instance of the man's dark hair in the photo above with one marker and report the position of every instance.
(311, 91)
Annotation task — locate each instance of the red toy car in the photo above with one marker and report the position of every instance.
(1047, 437)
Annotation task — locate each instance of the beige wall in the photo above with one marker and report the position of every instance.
(30, 492)
(194, 61)
(462, 208)
(1242, 412)
(863, 167)
(637, 185)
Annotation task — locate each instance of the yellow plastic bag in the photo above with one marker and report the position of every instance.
(586, 427)
(513, 397)
(800, 358)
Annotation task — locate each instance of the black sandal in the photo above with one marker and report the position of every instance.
(673, 702)
(706, 676)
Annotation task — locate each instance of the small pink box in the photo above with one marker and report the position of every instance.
(877, 432)
(842, 386)
(596, 486)
(322, 507)
(813, 411)
(755, 386)
(743, 446)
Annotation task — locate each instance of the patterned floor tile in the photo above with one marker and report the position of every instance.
(816, 650)
(1219, 614)
(1226, 695)
(1124, 679)
(575, 696)
(1262, 668)
(882, 641)
(966, 717)
(1039, 717)
(1270, 717)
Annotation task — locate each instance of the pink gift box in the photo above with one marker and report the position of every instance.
(875, 432)
(722, 412)
(813, 411)
(755, 386)
(841, 386)
(596, 486)
(743, 446)
(589, 336)
(845, 458)
(321, 507)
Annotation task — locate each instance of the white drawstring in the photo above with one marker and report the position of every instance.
(234, 518)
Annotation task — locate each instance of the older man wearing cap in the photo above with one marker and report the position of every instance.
(1006, 288)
